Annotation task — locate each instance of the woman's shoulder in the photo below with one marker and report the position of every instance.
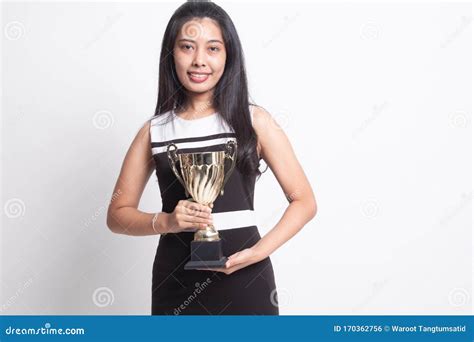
(260, 116)
(144, 131)
(160, 119)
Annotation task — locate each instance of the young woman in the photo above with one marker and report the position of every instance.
(202, 103)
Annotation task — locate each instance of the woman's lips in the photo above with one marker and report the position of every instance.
(198, 78)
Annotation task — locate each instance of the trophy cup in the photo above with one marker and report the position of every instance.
(203, 178)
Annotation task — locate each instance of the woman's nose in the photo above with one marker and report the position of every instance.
(199, 58)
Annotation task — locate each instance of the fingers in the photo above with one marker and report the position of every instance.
(186, 225)
(196, 213)
(188, 214)
(194, 209)
(223, 270)
(197, 221)
(196, 206)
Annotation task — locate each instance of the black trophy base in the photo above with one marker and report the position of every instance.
(206, 254)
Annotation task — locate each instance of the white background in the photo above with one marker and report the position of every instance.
(376, 100)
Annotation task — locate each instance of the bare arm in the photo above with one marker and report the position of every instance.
(277, 152)
(123, 217)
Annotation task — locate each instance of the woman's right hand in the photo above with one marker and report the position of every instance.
(187, 215)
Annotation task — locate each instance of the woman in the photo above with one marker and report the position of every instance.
(203, 103)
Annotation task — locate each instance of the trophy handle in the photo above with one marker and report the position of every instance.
(231, 147)
(172, 159)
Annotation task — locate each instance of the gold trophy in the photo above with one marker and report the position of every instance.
(203, 178)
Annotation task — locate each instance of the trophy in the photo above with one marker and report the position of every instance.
(203, 178)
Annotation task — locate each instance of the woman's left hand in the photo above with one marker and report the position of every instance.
(238, 260)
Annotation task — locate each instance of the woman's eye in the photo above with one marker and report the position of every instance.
(214, 48)
(186, 46)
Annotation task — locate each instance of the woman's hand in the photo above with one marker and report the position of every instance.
(239, 260)
(188, 215)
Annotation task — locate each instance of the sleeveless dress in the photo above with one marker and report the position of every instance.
(176, 291)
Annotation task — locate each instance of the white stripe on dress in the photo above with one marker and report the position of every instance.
(193, 144)
(232, 219)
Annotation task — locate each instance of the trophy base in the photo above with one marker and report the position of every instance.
(206, 254)
(194, 265)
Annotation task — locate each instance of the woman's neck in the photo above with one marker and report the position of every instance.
(199, 105)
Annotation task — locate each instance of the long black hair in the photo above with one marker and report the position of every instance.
(230, 97)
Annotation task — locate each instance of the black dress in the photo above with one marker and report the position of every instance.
(175, 291)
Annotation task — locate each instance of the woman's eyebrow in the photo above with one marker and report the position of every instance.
(215, 41)
(193, 41)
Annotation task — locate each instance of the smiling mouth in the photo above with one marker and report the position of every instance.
(197, 77)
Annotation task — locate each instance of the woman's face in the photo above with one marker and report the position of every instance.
(199, 55)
